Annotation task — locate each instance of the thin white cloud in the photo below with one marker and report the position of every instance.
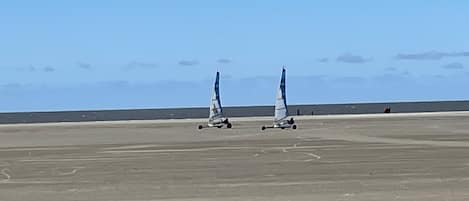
(224, 61)
(354, 59)
(453, 66)
(188, 62)
(140, 65)
(390, 69)
(32, 68)
(323, 60)
(84, 65)
(431, 55)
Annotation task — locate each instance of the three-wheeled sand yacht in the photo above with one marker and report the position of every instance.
(216, 118)
(281, 109)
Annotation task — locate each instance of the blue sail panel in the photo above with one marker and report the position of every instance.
(216, 110)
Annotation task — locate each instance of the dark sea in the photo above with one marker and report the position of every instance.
(244, 111)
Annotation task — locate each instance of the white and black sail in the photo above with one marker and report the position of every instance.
(281, 109)
(216, 111)
(216, 119)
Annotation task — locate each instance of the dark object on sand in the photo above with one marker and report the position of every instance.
(387, 110)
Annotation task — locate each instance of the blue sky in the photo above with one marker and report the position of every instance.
(73, 55)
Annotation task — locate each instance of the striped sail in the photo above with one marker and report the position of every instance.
(216, 111)
(281, 110)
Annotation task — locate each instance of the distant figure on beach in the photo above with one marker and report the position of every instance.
(387, 110)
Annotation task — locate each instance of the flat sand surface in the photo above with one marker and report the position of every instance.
(347, 157)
